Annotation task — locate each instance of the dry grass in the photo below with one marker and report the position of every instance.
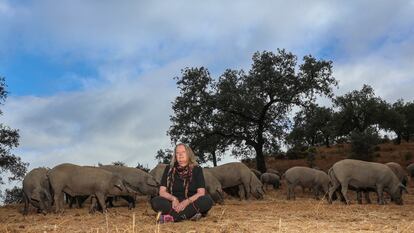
(273, 214)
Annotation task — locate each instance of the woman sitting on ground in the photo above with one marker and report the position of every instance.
(182, 191)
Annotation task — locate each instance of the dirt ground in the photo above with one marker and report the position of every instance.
(273, 214)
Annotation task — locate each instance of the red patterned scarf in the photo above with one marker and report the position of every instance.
(185, 173)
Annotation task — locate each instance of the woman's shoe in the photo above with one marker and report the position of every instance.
(196, 217)
(164, 218)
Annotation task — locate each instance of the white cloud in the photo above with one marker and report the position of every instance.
(156, 31)
(388, 70)
(5, 9)
(137, 47)
(125, 120)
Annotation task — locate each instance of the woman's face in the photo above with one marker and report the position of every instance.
(181, 155)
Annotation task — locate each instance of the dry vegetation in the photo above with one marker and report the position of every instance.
(273, 214)
(326, 157)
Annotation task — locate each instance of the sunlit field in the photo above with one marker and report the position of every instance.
(273, 214)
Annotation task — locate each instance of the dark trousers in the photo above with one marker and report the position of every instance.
(202, 205)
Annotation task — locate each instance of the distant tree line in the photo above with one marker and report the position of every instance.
(356, 118)
(250, 112)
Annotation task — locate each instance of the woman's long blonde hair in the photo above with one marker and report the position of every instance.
(191, 157)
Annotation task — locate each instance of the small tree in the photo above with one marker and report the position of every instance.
(140, 166)
(164, 156)
(363, 143)
(118, 163)
(358, 110)
(399, 118)
(313, 125)
(393, 119)
(13, 196)
(10, 164)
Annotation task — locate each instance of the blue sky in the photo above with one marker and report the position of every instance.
(29, 73)
(92, 81)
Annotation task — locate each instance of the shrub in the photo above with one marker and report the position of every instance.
(296, 153)
(119, 163)
(13, 196)
(408, 155)
(140, 166)
(276, 156)
(311, 150)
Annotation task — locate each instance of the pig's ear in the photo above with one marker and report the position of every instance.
(35, 196)
(130, 188)
(152, 182)
(119, 184)
(119, 187)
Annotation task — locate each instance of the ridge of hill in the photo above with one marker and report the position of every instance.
(326, 157)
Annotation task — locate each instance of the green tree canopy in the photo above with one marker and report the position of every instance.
(399, 118)
(164, 156)
(248, 109)
(313, 125)
(9, 138)
(358, 110)
(362, 143)
(191, 122)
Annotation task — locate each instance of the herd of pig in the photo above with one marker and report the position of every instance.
(47, 188)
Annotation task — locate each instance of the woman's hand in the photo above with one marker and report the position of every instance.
(175, 203)
(182, 205)
(174, 200)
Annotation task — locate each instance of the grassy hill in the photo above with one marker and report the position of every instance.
(326, 157)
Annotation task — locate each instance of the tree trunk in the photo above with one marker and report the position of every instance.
(398, 142)
(407, 136)
(327, 142)
(213, 154)
(260, 161)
